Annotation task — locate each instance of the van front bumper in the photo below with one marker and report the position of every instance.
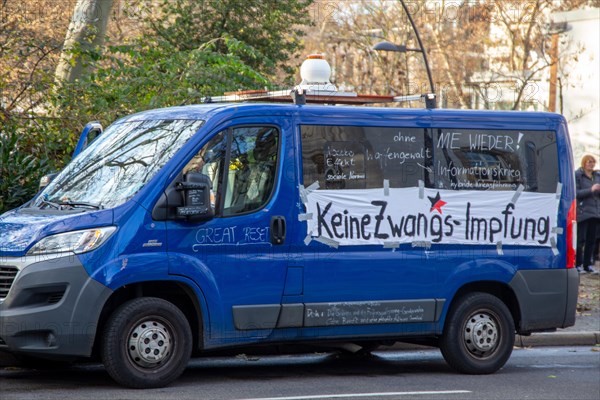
(52, 308)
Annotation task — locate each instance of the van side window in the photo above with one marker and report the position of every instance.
(249, 177)
(252, 169)
(467, 159)
(210, 161)
(358, 157)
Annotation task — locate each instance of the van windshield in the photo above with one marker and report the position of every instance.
(117, 165)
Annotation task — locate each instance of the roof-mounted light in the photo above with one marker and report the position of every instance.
(316, 73)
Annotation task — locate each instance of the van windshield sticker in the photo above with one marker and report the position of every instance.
(368, 217)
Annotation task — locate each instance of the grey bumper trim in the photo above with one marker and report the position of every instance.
(52, 309)
(547, 298)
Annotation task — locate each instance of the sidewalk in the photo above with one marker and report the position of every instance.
(585, 332)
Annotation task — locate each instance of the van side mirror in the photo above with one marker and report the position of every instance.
(89, 133)
(196, 194)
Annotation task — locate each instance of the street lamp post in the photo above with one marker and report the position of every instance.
(387, 46)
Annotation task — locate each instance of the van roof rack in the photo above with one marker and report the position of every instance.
(317, 88)
(301, 96)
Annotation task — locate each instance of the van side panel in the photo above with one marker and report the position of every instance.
(524, 152)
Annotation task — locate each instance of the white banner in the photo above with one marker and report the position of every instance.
(389, 215)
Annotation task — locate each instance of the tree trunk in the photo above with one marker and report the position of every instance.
(86, 32)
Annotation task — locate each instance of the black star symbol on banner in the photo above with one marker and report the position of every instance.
(436, 203)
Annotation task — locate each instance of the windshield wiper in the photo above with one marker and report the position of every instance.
(80, 204)
(50, 204)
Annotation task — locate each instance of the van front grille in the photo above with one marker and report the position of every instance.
(7, 277)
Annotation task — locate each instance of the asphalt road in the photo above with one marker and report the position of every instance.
(546, 373)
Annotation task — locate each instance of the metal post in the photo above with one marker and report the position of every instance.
(412, 23)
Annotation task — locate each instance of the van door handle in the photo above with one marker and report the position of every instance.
(277, 229)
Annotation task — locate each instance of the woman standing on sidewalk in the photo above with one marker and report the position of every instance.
(587, 182)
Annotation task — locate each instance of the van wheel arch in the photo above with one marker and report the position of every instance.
(177, 293)
(497, 289)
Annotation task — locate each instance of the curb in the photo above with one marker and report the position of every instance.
(559, 339)
(546, 339)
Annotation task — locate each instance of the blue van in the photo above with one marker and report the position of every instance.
(195, 228)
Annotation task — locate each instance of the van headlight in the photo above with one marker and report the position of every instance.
(77, 241)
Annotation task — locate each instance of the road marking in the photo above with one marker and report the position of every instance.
(350, 395)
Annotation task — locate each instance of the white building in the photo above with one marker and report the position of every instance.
(577, 82)
(578, 95)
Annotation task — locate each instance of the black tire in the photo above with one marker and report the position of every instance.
(479, 334)
(147, 343)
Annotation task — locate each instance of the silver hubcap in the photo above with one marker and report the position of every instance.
(481, 334)
(149, 344)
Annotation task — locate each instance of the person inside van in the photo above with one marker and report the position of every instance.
(587, 182)
(255, 171)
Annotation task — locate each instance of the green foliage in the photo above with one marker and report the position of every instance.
(148, 74)
(190, 50)
(31, 146)
(20, 170)
(187, 50)
(269, 27)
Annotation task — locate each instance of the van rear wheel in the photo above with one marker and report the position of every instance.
(147, 343)
(479, 334)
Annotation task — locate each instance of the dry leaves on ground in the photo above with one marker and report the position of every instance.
(589, 293)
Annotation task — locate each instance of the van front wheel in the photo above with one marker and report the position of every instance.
(147, 343)
(479, 334)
